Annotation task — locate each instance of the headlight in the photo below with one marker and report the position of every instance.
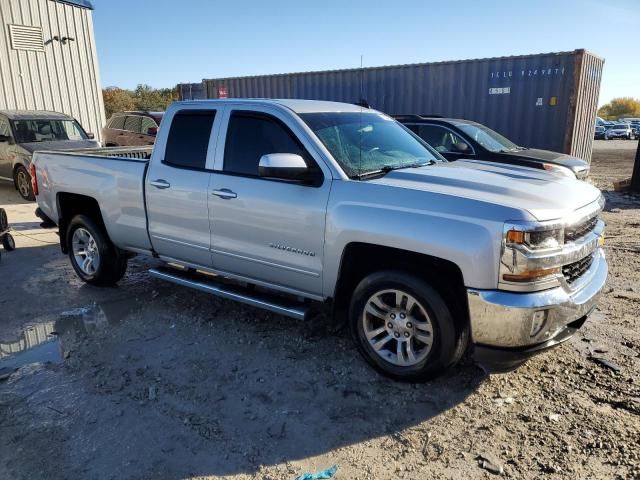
(559, 170)
(536, 239)
(525, 245)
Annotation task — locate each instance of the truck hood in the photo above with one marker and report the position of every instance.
(59, 145)
(551, 157)
(543, 195)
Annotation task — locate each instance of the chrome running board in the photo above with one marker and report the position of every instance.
(257, 299)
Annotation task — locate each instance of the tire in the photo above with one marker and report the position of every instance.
(22, 182)
(432, 320)
(4, 222)
(101, 264)
(8, 242)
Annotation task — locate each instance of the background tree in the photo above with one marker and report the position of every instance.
(619, 108)
(143, 97)
(117, 100)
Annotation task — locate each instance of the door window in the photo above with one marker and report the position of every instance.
(4, 127)
(188, 139)
(443, 140)
(133, 123)
(117, 122)
(252, 135)
(148, 123)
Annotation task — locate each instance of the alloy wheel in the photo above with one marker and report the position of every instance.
(23, 183)
(397, 327)
(85, 251)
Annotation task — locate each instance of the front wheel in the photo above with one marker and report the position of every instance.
(94, 258)
(402, 326)
(22, 181)
(8, 242)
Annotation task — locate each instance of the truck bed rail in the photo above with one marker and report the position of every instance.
(139, 153)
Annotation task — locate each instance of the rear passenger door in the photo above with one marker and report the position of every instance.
(177, 188)
(268, 230)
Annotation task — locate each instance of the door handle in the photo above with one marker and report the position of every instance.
(224, 193)
(161, 184)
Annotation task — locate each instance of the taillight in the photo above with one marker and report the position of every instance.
(34, 180)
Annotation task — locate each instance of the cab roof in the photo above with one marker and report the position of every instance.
(298, 106)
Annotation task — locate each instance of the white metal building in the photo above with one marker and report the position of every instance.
(48, 59)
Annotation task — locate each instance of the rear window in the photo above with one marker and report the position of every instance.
(117, 122)
(148, 123)
(133, 123)
(188, 139)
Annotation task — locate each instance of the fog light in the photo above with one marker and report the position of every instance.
(538, 321)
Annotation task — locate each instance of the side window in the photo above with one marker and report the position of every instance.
(117, 122)
(252, 135)
(4, 127)
(188, 139)
(148, 123)
(133, 123)
(442, 139)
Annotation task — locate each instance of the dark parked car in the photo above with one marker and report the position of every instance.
(131, 129)
(456, 139)
(599, 132)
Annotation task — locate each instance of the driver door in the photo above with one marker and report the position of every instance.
(264, 229)
(447, 142)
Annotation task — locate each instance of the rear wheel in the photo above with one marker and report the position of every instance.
(94, 258)
(22, 181)
(402, 326)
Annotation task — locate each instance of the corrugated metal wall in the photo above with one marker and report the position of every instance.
(536, 100)
(64, 77)
(587, 93)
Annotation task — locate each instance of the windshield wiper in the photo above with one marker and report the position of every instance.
(389, 168)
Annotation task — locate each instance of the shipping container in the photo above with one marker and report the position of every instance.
(191, 91)
(544, 101)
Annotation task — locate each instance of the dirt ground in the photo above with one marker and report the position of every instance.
(153, 381)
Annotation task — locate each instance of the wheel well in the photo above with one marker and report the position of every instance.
(72, 204)
(361, 259)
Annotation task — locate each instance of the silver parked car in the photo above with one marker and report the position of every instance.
(24, 132)
(622, 130)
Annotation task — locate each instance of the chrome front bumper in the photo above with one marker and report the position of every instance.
(511, 320)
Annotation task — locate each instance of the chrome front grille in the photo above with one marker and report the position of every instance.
(575, 270)
(579, 230)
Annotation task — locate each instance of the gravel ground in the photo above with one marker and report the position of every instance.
(150, 380)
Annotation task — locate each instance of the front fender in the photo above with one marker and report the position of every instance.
(465, 232)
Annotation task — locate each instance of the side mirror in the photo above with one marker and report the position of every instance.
(7, 139)
(460, 147)
(90, 136)
(285, 166)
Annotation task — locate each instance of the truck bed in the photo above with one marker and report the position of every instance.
(113, 177)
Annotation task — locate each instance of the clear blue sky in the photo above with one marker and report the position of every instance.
(162, 42)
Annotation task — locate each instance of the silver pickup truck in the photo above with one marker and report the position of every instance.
(290, 204)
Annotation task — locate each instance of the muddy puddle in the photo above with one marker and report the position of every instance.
(43, 342)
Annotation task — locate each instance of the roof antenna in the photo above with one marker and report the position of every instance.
(362, 102)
